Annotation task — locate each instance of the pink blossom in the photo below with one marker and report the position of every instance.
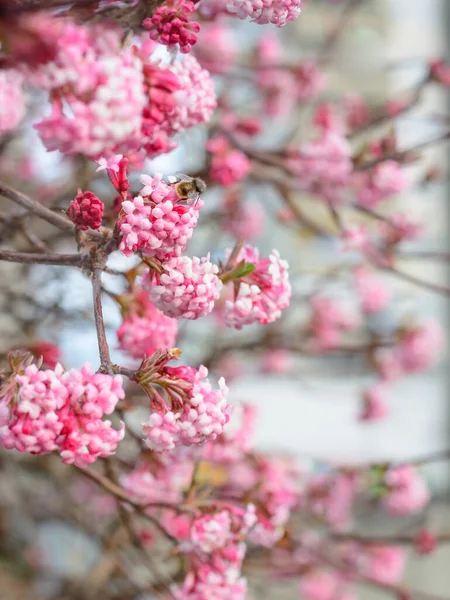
(86, 211)
(384, 180)
(277, 88)
(385, 564)
(323, 166)
(109, 164)
(142, 334)
(331, 497)
(200, 418)
(31, 420)
(374, 406)
(157, 221)
(196, 99)
(425, 542)
(163, 481)
(326, 118)
(373, 292)
(56, 410)
(211, 532)
(400, 227)
(100, 81)
(440, 72)
(278, 492)
(329, 320)
(187, 289)
(218, 579)
(263, 294)
(229, 448)
(31, 39)
(50, 353)
(278, 12)
(407, 491)
(229, 167)
(216, 49)
(420, 347)
(12, 102)
(171, 25)
(357, 111)
(87, 436)
(309, 81)
(324, 585)
(277, 361)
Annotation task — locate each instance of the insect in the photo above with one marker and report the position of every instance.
(188, 188)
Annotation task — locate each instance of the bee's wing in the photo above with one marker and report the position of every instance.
(193, 196)
(171, 179)
(183, 176)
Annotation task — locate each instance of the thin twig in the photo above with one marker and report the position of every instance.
(50, 258)
(103, 347)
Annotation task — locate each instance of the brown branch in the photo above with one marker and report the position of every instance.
(120, 494)
(38, 209)
(402, 154)
(386, 539)
(103, 347)
(51, 258)
(432, 287)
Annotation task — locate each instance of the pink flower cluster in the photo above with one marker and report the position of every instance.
(108, 99)
(196, 101)
(330, 496)
(407, 491)
(86, 211)
(417, 350)
(323, 166)
(210, 532)
(217, 536)
(383, 181)
(159, 119)
(12, 102)
(157, 221)
(385, 564)
(218, 579)
(278, 493)
(178, 97)
(143, 333)
(187, 289)
(278, 12)
(374, 406)
(50, 410)
(161, 481)
(171, 25)
(263, 294)
(227, 165)
(100, 82)
(201, 416)
(325, 585)
(329, 320)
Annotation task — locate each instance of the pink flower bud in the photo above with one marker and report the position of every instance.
(86, 211)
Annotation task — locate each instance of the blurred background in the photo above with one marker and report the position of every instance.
(380, 53)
